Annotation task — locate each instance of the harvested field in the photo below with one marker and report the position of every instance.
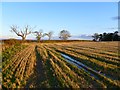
(61, 65)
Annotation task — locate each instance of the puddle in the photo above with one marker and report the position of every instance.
(82, 66)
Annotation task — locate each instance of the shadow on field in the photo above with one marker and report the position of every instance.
(38, 79)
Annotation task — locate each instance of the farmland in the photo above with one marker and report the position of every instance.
(65, 64)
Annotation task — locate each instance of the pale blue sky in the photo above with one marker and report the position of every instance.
(77, 18)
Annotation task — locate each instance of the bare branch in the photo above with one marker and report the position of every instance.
(14, 29)
(38, 35)
(23, 32)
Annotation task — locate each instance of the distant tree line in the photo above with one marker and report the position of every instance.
(106, 36)
(63, 35)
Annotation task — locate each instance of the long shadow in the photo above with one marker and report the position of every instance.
(38, 79)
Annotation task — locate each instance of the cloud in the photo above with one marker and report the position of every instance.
(75, 37)
(116, 18)
(82, 37)
(114, 28)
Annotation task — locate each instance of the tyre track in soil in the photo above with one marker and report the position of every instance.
(39, 78)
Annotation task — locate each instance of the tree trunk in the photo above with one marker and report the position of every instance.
(23, 38)
(39, 40)
(49, 38)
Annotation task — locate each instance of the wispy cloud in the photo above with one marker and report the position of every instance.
(81, 37)
(116, 18)
(74, 37)
(113, 28)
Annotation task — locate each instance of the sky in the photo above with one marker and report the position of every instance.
(79, 18)
(60, 0)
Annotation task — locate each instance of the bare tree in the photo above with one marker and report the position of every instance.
(49, 34)
(39, 35)
(21, 32)
(64, 35)
(95, 36)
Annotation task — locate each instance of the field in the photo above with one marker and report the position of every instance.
(61, 65)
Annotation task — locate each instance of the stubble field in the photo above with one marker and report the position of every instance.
(52, 65)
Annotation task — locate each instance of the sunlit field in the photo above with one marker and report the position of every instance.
(61, 65)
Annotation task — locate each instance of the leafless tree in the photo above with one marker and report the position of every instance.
(64, 35)
(95, 36)
(49, 34)
(39, 35)
(21, 32)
